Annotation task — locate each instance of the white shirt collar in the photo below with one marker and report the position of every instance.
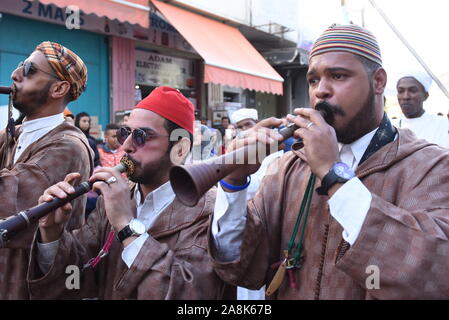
(34, 130)
(41, 123)
(155, 202)
(359, 146)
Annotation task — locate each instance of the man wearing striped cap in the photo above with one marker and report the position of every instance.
(41, 151)
(359, 213)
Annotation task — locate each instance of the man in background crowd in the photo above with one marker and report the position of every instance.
(111, 151)
(243, 120)
(413, 90)
(223, 126)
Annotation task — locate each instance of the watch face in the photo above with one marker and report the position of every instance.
(137, 226)
(343, 171)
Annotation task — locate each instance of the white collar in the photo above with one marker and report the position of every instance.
(42, 123)
(159, 197)
(425, 115)
(359, 146)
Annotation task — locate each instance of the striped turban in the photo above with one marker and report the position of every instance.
(348, 38)
(66, 65)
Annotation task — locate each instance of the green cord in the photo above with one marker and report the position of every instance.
(297, 255)
(305, 205)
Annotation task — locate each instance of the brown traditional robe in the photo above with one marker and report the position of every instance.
(173, 263)
(44, 163)
(405, 233)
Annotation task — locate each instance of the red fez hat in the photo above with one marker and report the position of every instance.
(170, 104)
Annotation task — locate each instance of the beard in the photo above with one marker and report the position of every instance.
(357, 127)
(153, 173)
(27, 103)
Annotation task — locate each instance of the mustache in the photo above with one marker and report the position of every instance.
(330, 110)
(15, 90)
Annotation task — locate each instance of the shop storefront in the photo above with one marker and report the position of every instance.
(233, 70)
(158, 56)
(161, 57)
(154, 70)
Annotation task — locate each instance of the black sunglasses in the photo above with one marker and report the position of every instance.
(139, 135)
(30, 68)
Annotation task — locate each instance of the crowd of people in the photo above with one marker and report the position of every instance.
(361, 193)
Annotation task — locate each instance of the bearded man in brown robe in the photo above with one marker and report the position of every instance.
(374, 223)
(159, 250)
(41, 151)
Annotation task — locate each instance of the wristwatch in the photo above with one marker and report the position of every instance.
(339, 173)
(134, 228)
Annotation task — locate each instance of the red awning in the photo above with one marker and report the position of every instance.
(229, 57)
(132, 11)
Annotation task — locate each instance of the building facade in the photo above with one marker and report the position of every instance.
(272, 28)
(25, 24)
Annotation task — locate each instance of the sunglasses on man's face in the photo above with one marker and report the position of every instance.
(29, 68)
(139, 135)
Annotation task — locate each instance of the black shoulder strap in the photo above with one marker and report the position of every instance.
(384, 135)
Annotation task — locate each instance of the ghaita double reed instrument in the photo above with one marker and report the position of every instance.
(191, 182)
(5, 90)
(22, 220)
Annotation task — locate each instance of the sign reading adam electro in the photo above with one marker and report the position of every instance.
(154, 69)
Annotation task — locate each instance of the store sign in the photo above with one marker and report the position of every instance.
(154, 69)
(160, 32)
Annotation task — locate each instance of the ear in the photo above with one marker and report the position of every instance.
(379, 81)
(426, 95)
(59, 89)
(180, 151)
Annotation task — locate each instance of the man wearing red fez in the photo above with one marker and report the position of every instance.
(41, 151)
(360, 212)
(159, 250)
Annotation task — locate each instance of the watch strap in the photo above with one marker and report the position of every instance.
(125, 233)
(328, 181)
